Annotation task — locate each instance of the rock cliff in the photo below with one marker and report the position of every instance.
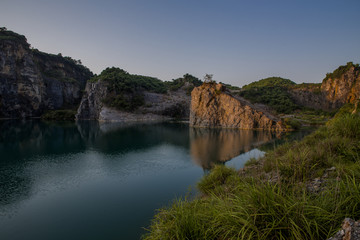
(213, 106)
(310, 95)
(339, 87)
(32, 82)
(111, 97)
(343, 85)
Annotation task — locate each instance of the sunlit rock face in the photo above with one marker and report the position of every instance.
(32, 82)
(342, 89)
(213, 106)
(209, 146)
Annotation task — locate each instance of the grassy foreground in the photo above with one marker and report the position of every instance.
(301, 190)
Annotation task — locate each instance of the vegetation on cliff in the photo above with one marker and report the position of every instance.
(272, 92)
(71, 65)
(337, 73)
(12, 36)
(270, 82)
(64, 115)
(126, 90)
(175, 84)
(301, 190)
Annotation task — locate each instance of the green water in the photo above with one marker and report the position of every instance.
(91, 181)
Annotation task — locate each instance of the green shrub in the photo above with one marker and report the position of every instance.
(291, 123)
(68, 115)
(270, 82)
(337, 73)
(128, 103)
(121, 81)
(276, 97)
(218, 177)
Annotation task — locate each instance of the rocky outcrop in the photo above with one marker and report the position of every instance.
(156, 106)
(340, 87)
(32, 82)
(350, 230)
(311, 97)
(213, 106)
(343, 85)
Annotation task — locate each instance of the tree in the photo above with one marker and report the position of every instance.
(3, 29)
(208, 78)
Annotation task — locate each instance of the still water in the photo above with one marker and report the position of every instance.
(105, 181)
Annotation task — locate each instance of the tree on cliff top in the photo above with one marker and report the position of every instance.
(208, 78)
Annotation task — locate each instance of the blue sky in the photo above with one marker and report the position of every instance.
(237, 41)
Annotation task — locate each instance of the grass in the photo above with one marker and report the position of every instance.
(273, 198)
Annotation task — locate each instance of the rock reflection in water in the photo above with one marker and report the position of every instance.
(216, 146)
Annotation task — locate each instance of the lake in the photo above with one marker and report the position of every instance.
(87, 180)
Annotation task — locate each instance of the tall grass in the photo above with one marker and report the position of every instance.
(276, 202)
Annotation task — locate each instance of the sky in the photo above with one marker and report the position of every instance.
(237, 41)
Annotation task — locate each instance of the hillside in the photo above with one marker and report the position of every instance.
(272, 92)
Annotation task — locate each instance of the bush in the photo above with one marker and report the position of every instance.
(291, 123)
(270, 82)
(276, 97)
(128, 103)
(337, 73)
(218, 177)
(68, 115)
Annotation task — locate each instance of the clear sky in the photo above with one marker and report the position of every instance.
(237, 41)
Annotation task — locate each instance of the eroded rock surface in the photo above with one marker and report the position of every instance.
(156, 107)
(32, 82)
(350, 230)
(213, 106)
(342, 88)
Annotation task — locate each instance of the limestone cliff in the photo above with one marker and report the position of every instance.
(213, 106)
(32, 82)
(343, 85)
(101, 102)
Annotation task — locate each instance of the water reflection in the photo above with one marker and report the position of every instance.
(213, 146)
(78, 172)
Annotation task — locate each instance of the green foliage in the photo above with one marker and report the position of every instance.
(67, 115)
(70, 65)
(220, 176)
(345, 109)
(270, 82)
(272, 92)
(291, 123)
(175, 84)
(252, 207)
(121, 81)
(12, 36)
(230, 87)
(276, 97)
(337, 73)
(123, 102)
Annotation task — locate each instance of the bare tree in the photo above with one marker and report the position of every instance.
(208, 78)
